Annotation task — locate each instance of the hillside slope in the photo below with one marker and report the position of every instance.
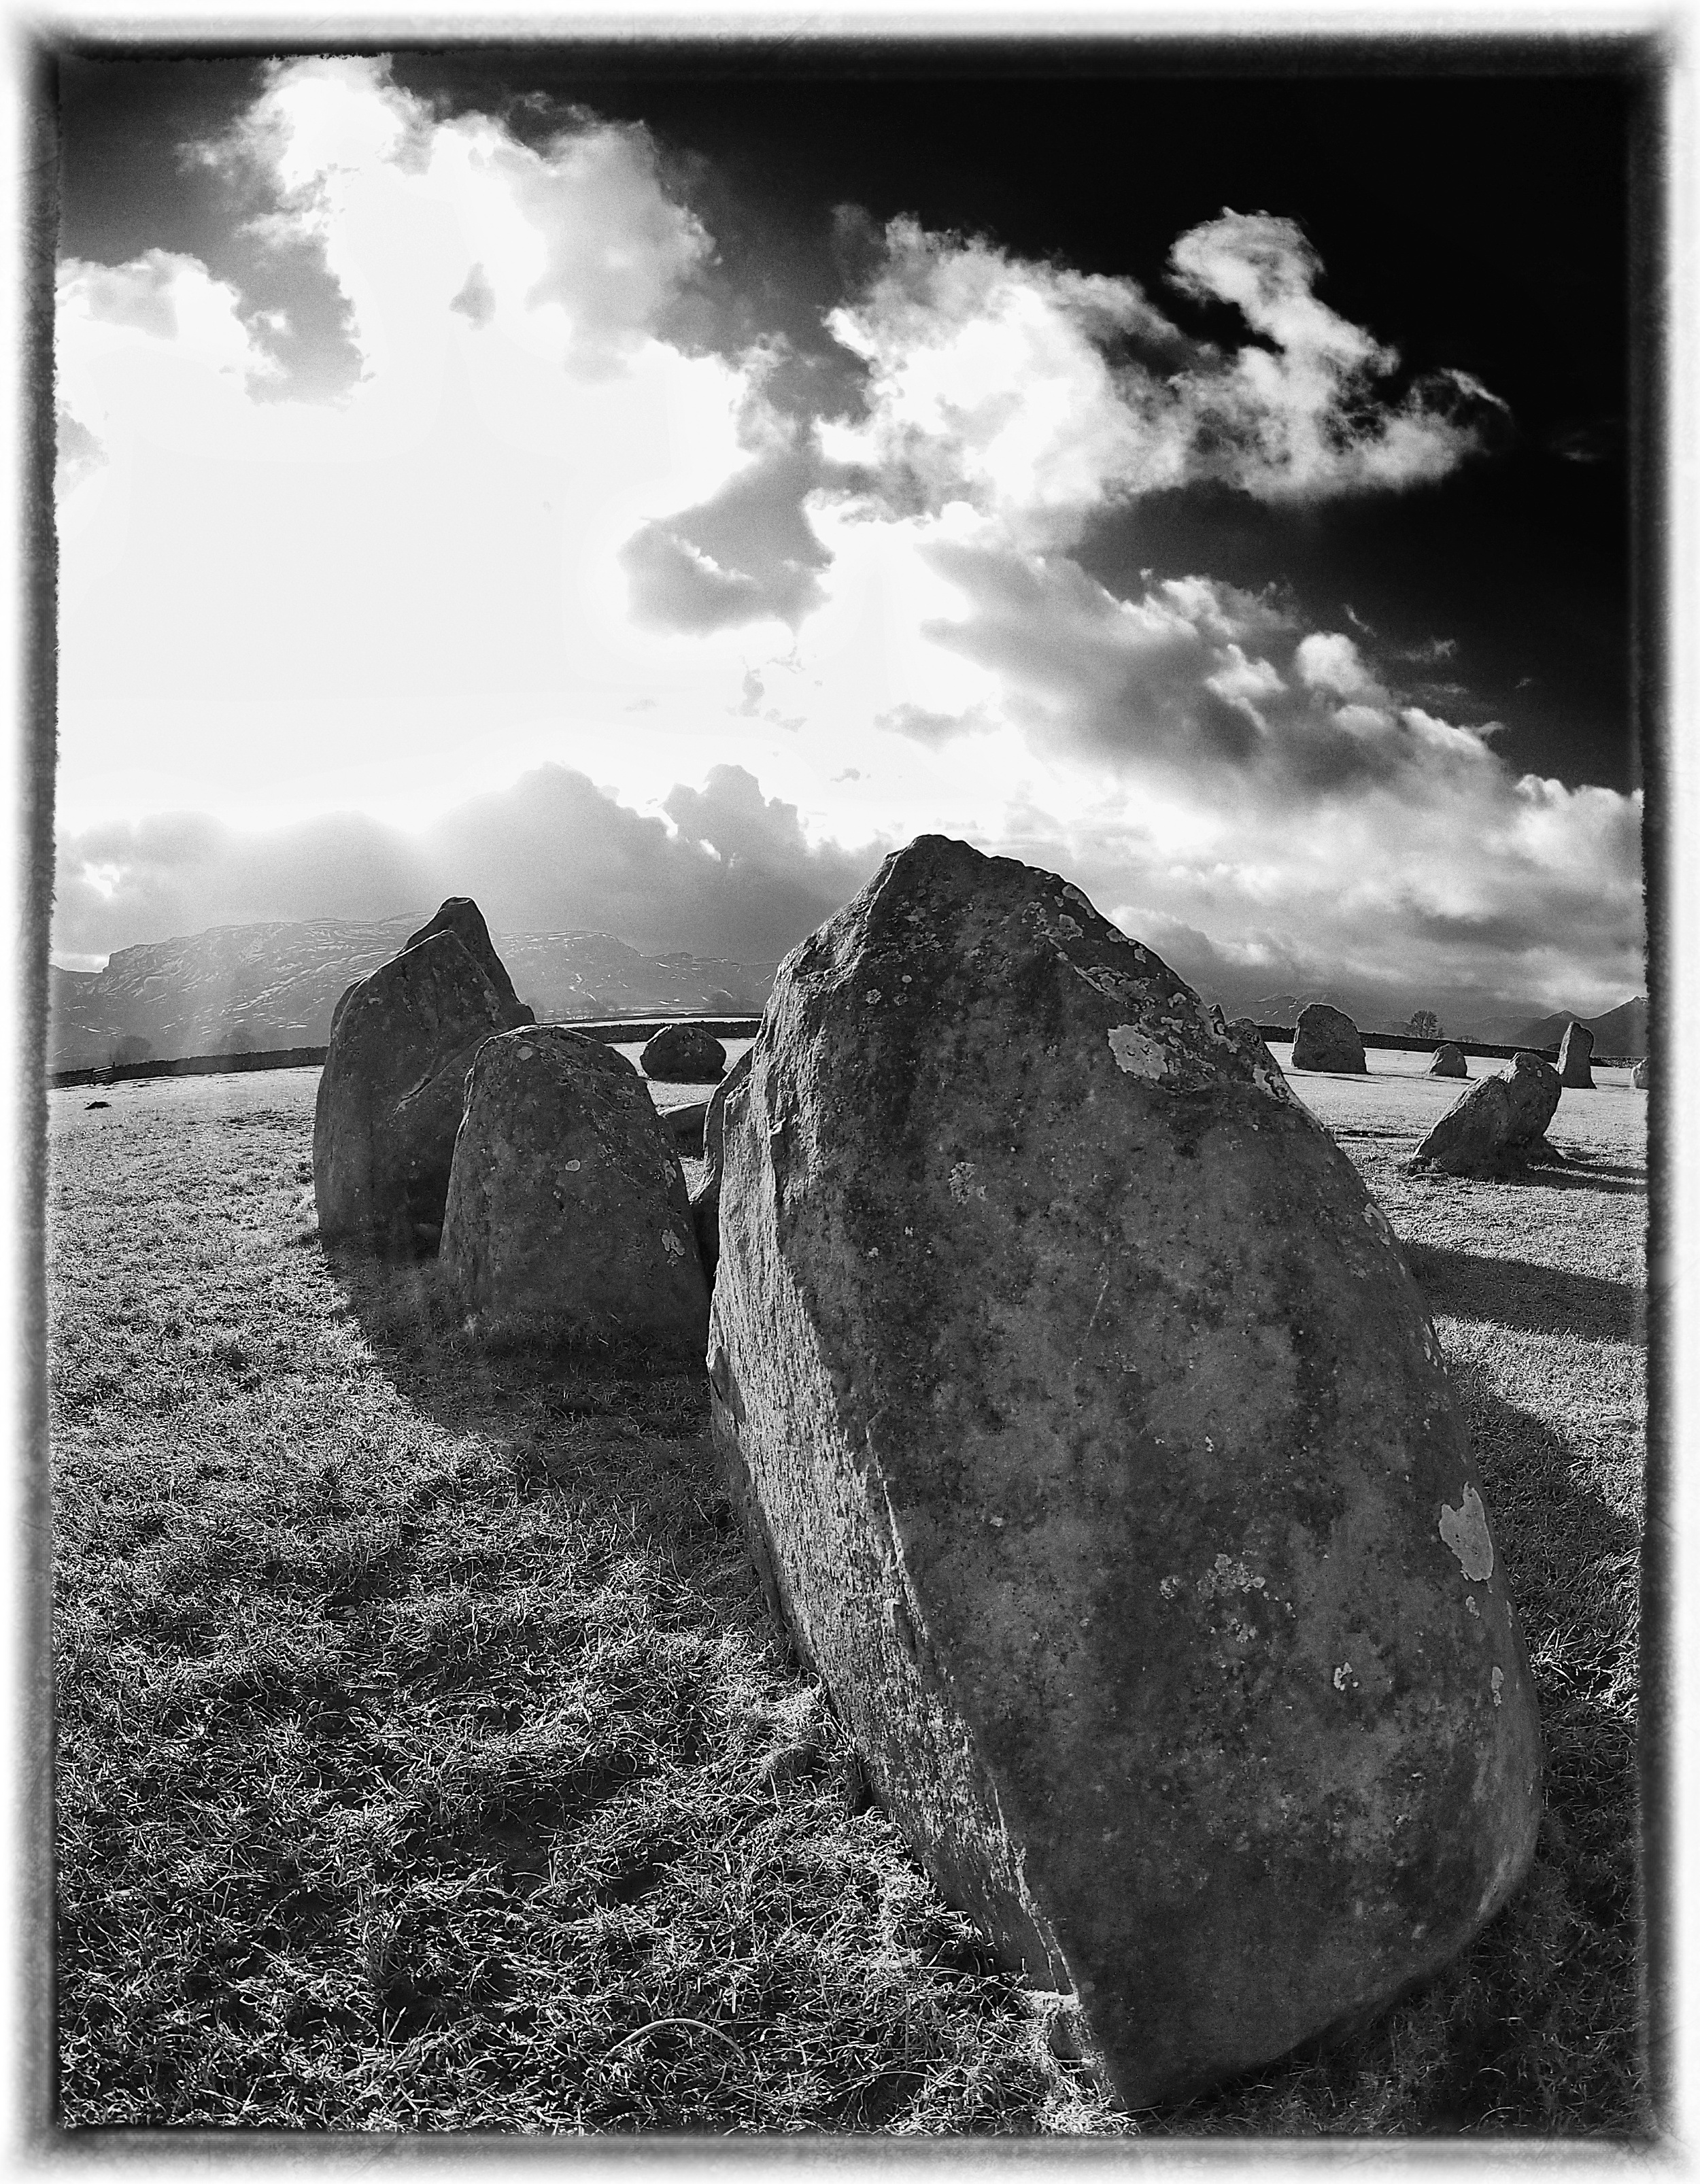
(1621, 1030)
(254, 988)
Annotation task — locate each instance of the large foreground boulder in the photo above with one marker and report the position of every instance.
(1575, 1058)
(391, 1088)
(1097, 1449)
(705, 1198)
(685, 1054)
(1499, 1125)
(1326, 1039)
(1449, 1061)
(567, 1220)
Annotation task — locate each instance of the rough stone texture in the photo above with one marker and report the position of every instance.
(1638, 1075)
(685, 1124)
(567, 1219)
(1326, 1039)
(1575, 1057)
(1096, 1445)
(685, 1054)
(1449, 1061)
(705, 1198)
(391, 1092)
(460, 916)
(1498, 1126)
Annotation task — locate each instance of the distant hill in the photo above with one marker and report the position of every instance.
(1621, 1030)
(250, 988)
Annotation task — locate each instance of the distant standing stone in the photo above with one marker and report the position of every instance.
(1449, 1061)
(1575, 1057)
(705, 1198)
(1498, 1124)
(567, 1218)
(685, 1054)
(1326, 1039)
(1637, 1076)
(391, 1092)
(1096, 1443)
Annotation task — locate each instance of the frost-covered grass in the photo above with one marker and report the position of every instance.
(425, 1762)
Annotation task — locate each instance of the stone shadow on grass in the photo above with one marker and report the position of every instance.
(1518, 1293)
(415, 1329)
(1564, 1175)
(1531, 2029)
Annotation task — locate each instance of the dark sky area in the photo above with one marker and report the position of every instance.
(1473, 221)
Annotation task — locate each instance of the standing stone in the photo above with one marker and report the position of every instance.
(1449, 1061)
(1326, 1039)
(1499, 1124)
(1575, 1057)
(460, 916)
(1637, 1076)
(391, 1091)
(685, 1054)
(705, 1198)
(567, 1219)
(1097, 1447)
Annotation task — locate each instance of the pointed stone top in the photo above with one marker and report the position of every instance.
(460, 916)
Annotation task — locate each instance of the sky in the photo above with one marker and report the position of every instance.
(642, 496)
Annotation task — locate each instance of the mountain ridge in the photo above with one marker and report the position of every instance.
(251, 988)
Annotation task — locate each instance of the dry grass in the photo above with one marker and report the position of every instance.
(426, 1762)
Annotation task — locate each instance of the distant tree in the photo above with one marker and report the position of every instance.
(1425, 1024)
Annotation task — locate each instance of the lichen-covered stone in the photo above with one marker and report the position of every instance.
(567, 1220)
(1449, 1061)
(1326, 1038)
(460, 916)
(391, 1089)
(1097, 1447)
(1575, 1058)
(1637, 1076)
(1499, 1124)
(685, 1054)
(705, 1198)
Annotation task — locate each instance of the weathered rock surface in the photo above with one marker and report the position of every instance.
(567, 1219)
(1499, 1124)
(705, 1198)
(1097, 1447)
(685, 1124)
(1326, 1039)
(391, 1092)
(1638, 1075)
(460, 916)
(1575, 1058)
(685, 1054)
(1449, 1061)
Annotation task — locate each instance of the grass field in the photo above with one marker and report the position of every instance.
(426, 1762)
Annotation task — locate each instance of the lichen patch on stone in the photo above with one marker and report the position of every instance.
(962, 1184)
(1465, 1529)
(1137, 1055)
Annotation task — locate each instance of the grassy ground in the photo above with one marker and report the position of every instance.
(425, 1762)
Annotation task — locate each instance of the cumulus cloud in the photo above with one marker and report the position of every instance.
(1038, 395)
(734, 874)
(1270, 785)
(749, 554)
(544, 518)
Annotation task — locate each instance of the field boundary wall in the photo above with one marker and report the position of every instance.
(626, 1030)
